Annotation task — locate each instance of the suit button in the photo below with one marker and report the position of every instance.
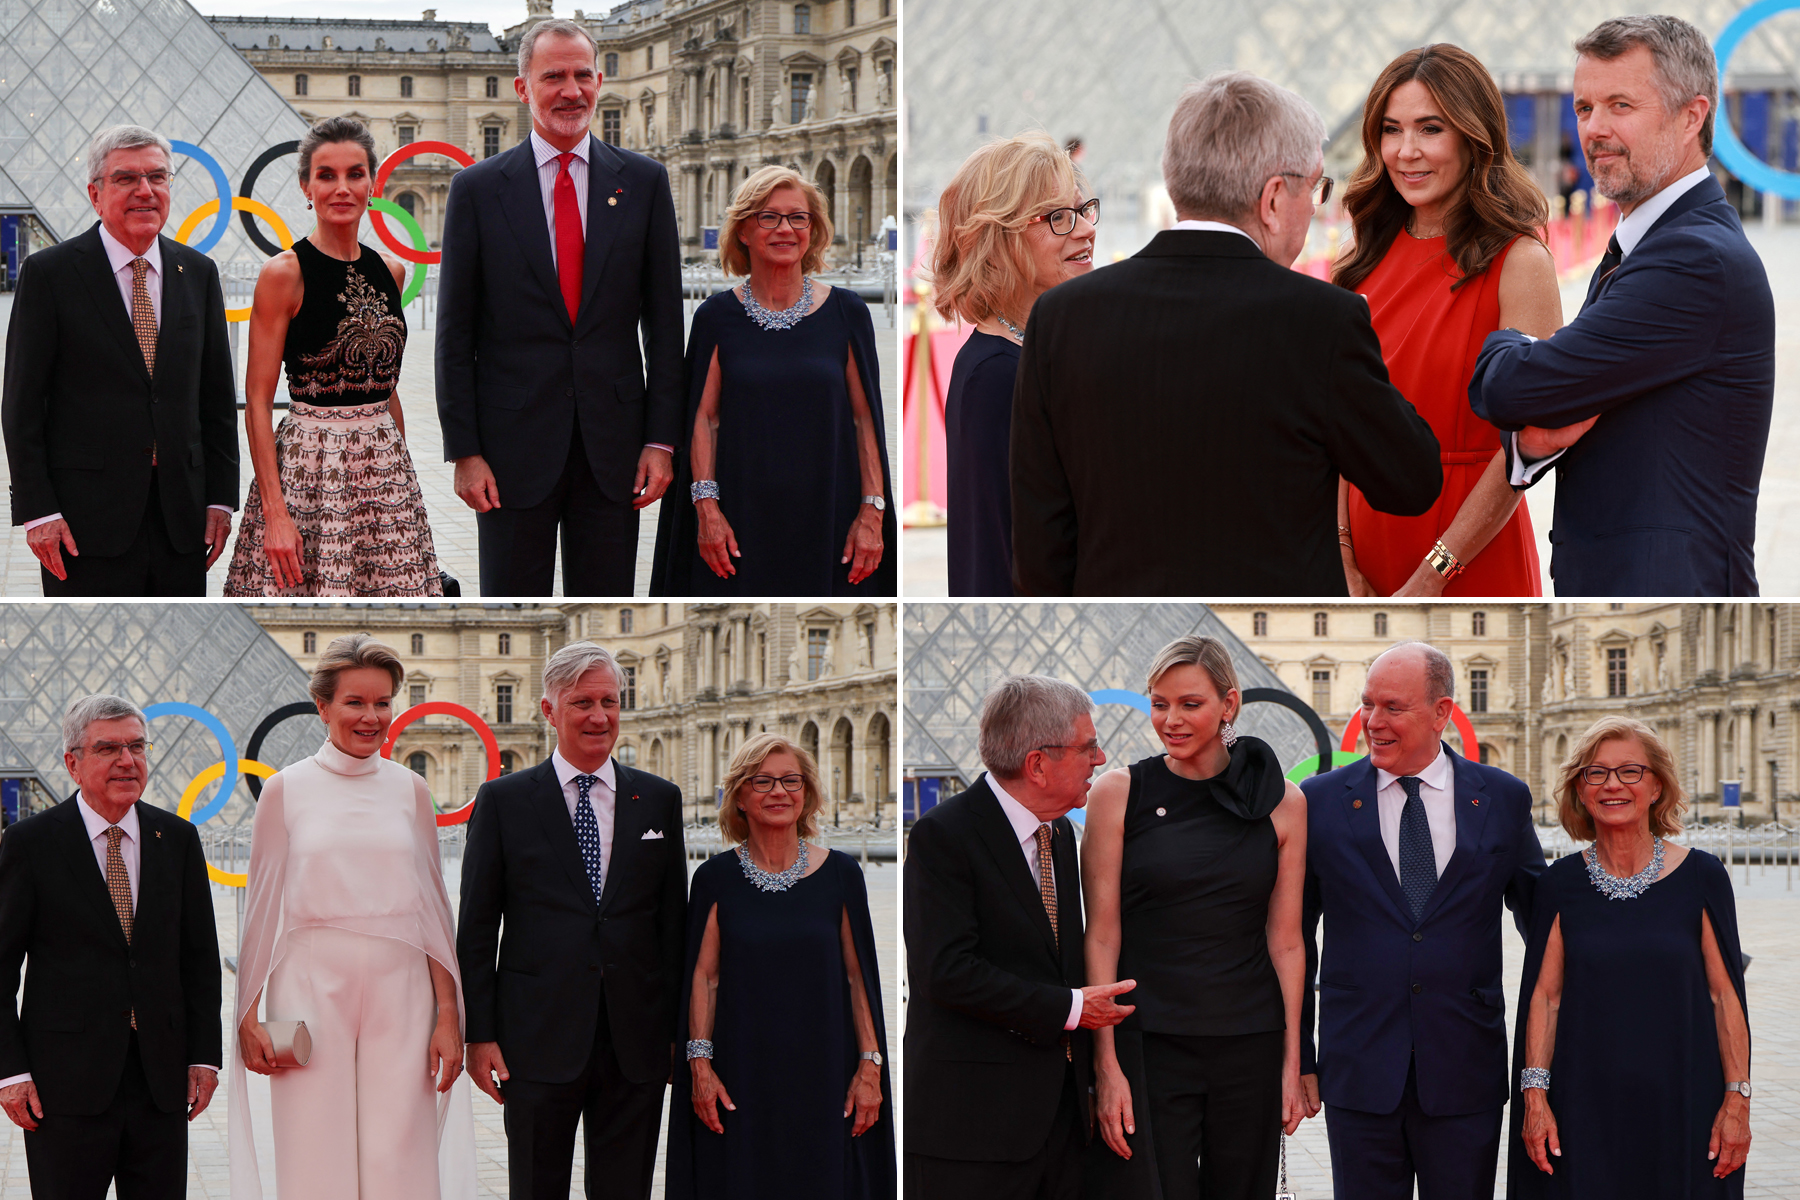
(1417, 989)
(1418, 937)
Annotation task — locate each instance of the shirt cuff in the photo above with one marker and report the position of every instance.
(26, 1077)
(670, 450)
(224, 508)
(1527, 471)
(1074, 1012)
(28, 527)
(204, 1067)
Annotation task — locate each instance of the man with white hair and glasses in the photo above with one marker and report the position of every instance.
(117, 1044)
(1203, 368)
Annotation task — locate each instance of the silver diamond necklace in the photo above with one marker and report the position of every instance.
(787, 318)
(1614, 888)
(772, 881)
(1018, 334)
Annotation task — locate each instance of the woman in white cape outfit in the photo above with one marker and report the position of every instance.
(346, 903)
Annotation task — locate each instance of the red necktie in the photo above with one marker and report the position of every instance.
(569, 243)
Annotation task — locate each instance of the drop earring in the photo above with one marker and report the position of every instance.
(1227, 734)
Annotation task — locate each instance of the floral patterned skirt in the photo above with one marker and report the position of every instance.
(349, 486)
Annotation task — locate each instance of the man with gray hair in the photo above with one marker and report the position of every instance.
(1204, 356)
(571, 1015)
(1654, 403)
(119, 409)
(116, 1046)
(555, 253)
(1411, 854)
(997, 1057)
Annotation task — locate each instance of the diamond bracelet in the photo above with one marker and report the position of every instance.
(1534, 1077)
(700, 1048)
(704, 489)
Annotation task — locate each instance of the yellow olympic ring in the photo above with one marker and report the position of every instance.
(217, 770)
(255, 208)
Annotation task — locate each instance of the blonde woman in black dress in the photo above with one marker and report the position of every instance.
(336, 508)
(1193, 865)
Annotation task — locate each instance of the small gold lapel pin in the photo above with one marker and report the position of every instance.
(612, 200)
(1356, 804)
(178, 270)
(159, 833)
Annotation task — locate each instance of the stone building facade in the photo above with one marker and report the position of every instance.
(1719, 682)
(712, 89)
(699, 680)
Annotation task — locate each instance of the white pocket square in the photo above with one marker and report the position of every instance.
(651, 833)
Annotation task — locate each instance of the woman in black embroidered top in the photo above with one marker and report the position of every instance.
(336, 508)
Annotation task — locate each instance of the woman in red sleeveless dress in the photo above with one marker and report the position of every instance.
(1446, 251)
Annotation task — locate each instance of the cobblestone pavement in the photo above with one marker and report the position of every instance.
(926, 565)
(452, 521)
(208, 1170)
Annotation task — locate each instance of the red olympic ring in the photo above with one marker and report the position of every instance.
(446, 708)
(1471, 744)
(379, 222)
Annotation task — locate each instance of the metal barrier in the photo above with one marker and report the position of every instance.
(1755, 848)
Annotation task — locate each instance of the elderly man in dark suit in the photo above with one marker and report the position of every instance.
(1411, 854)
(1673, 352)
(555, 252)
(119, 409)
(1203, 367)
(118, 1037)
(573, 1011)
(997, 1063)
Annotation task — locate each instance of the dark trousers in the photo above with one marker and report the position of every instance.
(133, 1142)
(149, 567)
(1053, 1173)
(599, 539)
(620, 1120)
(1215, 1108)
(1376, 1156)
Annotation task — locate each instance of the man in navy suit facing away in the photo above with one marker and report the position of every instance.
(1411, 853)
(1673, 352)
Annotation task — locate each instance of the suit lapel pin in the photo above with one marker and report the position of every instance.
(159, 833)
(179, 269)
(612, 200)
(1474, 800)
(1356, 804)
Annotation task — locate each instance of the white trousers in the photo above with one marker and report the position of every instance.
(359, 1121)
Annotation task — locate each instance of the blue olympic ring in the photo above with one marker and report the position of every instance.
(205, 245)
(1726, 145)
(181, 708)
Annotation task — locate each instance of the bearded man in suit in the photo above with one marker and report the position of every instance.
(117, 1046)
(119, 409)
(571, 1016)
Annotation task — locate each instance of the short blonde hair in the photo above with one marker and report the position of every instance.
(1207, 653)
(1665, 814)
(747, 762)
(751, 195)
(979, 263)
(348, 653)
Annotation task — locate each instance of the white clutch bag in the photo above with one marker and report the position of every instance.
(293, 1044)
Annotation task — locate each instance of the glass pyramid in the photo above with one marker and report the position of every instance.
(210, 655)
(70, 68)
(955, 652)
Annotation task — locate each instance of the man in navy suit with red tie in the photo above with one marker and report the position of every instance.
(1673, 352)
(555, 253)
(1411, 854)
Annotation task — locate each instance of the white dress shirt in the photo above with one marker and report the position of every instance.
(97, 826)
(1025, 824)
(1213, 227)
(602, 799)
(1631, 230)
(1437, 790)
(548, 169)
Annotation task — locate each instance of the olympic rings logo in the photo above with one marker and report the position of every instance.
(248, 209)
(230, 766)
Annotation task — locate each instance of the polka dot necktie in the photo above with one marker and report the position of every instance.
(1418, 865)
(118, 883)
(143, 313)
(1047, 891)
(587, 833)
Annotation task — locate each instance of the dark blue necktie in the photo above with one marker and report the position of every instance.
(1418, 866)
(1609, 262)
(587, 832)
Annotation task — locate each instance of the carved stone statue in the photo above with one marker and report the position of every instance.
(883, 98)
(812, 106)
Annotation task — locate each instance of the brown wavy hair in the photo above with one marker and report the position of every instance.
(1500, 201)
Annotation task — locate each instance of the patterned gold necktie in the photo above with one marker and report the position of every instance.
(1047, 880)
(118, 882)
(143, 313)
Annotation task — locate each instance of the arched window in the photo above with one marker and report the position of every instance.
(1259, 624)
(355, 85)
(409, 202)
(309, 642)
(802, 18)
(628, 755)
(299, 85)
(612, 64)
(624, 620)
(1321, 624)
(406, 87)
(418, 643)
(506, 643)
(1478, 624)
(1381, 624)
(493, 87)
(509, 762)
(416, 762)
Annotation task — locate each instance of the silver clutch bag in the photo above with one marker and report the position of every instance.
(293, 1044)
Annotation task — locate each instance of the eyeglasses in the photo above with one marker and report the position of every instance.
(1089, 748)
(772, 220)
(128, 180)
(1628, 773)
(766, 783)
(1321, 191)
(1062, 220)
(108, 751)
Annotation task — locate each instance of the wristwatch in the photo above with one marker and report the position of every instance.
(1742, 1089)
(877, 501)
(874, 1056)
